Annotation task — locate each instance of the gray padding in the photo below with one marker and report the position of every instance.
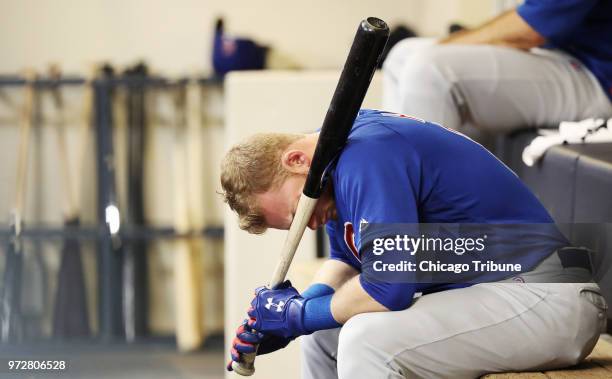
(574, 182)
(553, 179)
(593, 207)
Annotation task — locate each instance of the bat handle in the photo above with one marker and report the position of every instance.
(247, 366)
(304, 210)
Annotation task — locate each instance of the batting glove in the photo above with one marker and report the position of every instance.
(248, 341)
(278, 312)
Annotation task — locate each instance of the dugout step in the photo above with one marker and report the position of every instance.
(597, 365)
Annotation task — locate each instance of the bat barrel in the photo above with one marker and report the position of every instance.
(361, 63)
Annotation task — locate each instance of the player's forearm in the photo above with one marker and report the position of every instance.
(508, 29)
(334, 273)
(351, 299)
(330, 276)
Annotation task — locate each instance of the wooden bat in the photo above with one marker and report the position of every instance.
(70, 318)
(360, 65)
(189, 334)
(11, 329)
(195, 198)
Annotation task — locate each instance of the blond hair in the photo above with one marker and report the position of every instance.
(251, 167)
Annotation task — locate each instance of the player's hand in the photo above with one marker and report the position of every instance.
(248, 341)
(278, 312)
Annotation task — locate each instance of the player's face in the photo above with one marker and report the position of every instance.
(278, 205)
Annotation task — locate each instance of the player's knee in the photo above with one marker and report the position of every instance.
(354, 335)
(401, 53)
(397, 56)
(414, 68)
(363, 348)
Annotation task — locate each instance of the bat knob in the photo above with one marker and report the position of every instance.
(376, 23)
(244, 368)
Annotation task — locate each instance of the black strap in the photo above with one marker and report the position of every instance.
(575, 257)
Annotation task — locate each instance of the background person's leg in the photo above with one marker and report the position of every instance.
(319, 354)
(495, 88)
(393, 67)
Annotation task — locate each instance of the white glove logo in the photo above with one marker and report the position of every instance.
(279, 306)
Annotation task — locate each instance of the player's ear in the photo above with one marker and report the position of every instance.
(296, 161)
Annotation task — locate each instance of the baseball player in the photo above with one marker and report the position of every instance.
(398, 169)
(536, 65)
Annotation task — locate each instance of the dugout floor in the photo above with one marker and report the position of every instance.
(146, 360)
(159, 359)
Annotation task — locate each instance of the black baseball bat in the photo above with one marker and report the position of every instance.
(135, 262)
(360, 65)
(70, 317)
(109, 248)
(11, 327)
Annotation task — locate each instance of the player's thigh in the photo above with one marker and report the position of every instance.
(542, 326)
(435, 317)
(483, 328)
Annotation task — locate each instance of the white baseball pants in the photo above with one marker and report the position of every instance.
(489, 87)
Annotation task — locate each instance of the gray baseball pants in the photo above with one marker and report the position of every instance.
(465, 333)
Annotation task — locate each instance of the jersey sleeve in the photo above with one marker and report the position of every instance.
(382, 186)
(335, 250)
(555, 19)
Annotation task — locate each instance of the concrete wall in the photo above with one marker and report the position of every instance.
(176, 36)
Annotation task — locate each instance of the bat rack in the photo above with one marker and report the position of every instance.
(109, 263)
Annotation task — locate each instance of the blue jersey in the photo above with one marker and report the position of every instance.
(583, 28)
(397, 169)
